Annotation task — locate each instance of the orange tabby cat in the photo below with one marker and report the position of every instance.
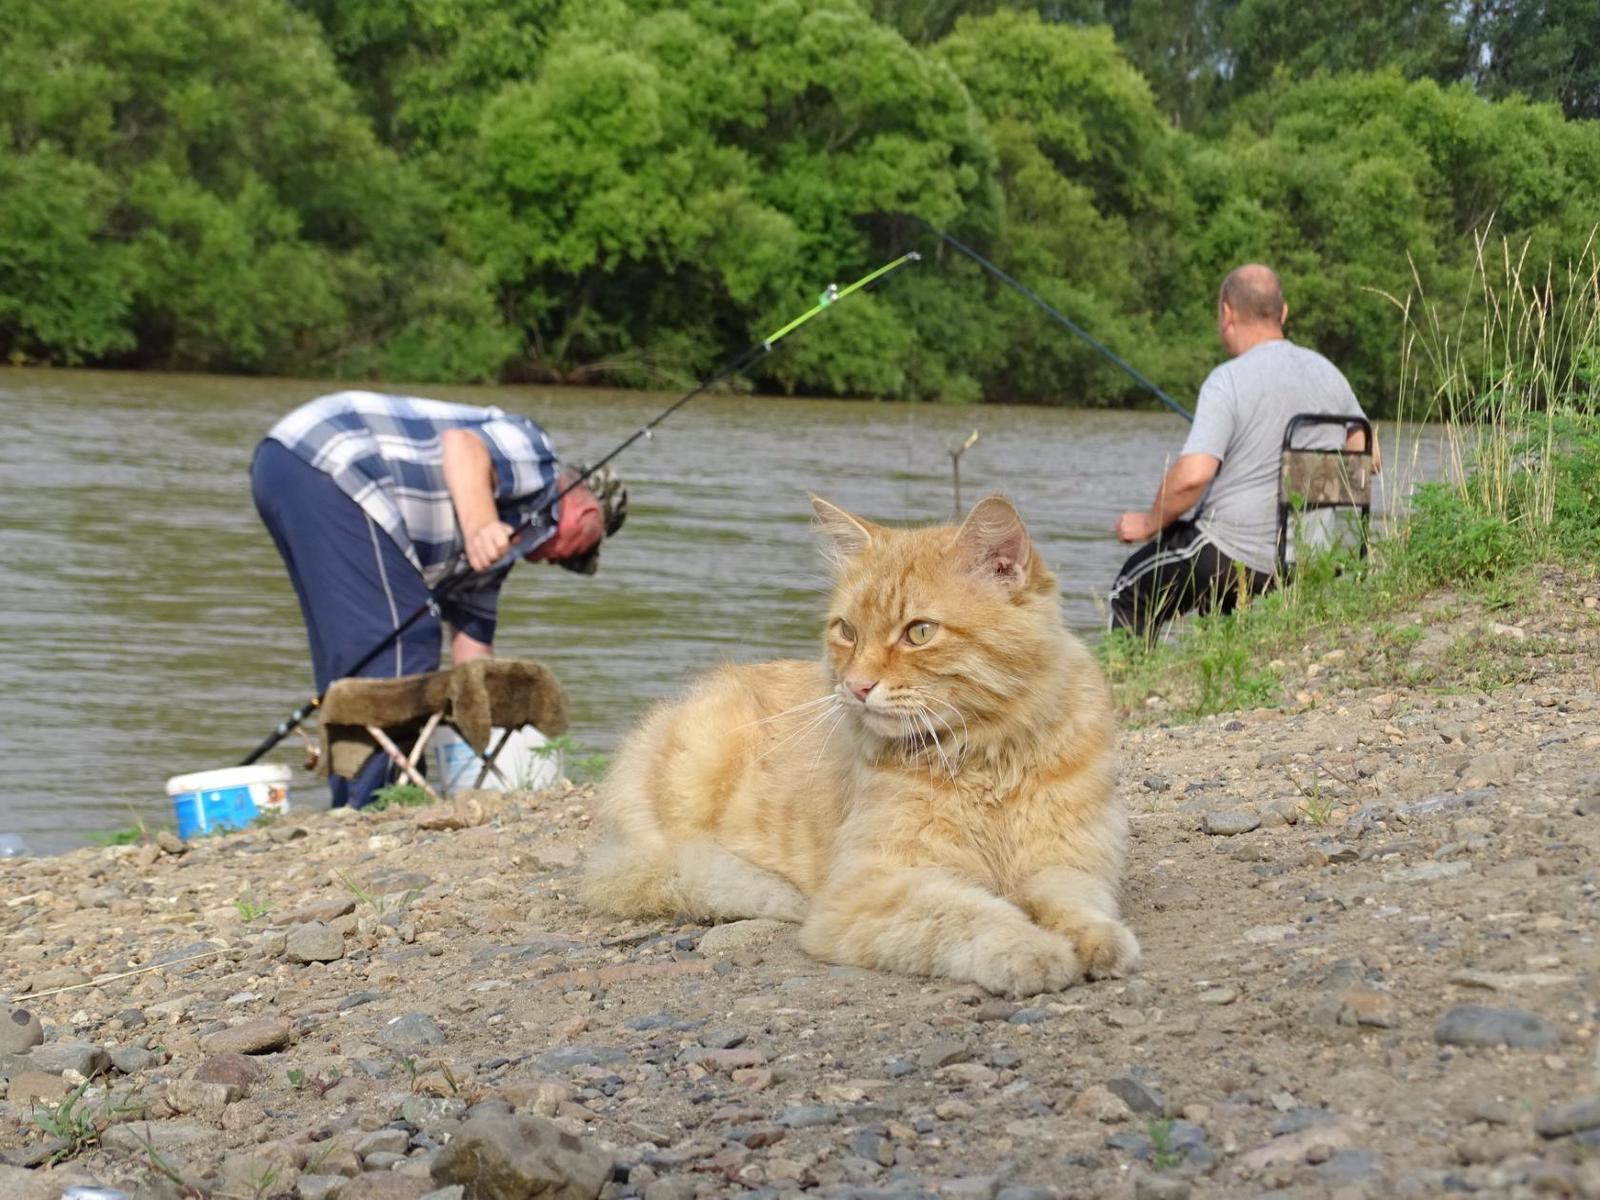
(934, 796)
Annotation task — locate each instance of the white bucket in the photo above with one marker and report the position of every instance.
(523, 764)
(228, 799)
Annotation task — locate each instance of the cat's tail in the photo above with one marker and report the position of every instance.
(629, 880)
(629, 873)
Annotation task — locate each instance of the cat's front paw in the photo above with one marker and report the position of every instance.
(1108, 949)
(1026, 964)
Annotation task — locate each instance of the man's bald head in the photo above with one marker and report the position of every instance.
(1254, 294)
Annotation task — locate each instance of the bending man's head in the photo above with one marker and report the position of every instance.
(1250, 308)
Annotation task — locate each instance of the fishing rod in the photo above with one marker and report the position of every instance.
(831, 296)
(1105, 350)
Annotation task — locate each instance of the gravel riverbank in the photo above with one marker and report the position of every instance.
(1370, 970)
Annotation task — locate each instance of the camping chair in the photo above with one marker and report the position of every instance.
(1314, 479)
(361, 715)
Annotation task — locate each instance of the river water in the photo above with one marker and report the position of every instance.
(147, 627)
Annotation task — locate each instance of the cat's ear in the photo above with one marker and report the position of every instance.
(850, 535)
(993, 542)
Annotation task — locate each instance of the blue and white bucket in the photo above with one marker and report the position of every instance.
(228, 799)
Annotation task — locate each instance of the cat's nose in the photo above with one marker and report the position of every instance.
(859, 689)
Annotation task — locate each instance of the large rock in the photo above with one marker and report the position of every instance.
(1570, 1118)
(52, 978)
(319, 910)
(234, 1070)
(385, 1185)
(319, 1187)
(313, 942)
(741, 935)
(17, 1183)
(519, 1157)
(197, 1096)
(1230, 823)
(20, 1031)
(1479, 1025)
(410, 1032)
(85, 1058)
(164, 1137)
(260, 1036)
(30, 1086)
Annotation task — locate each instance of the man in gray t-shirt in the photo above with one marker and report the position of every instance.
(1230, 465)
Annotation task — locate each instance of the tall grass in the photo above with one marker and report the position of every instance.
(1513, 377)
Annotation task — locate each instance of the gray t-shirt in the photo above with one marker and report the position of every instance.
(1243, 409)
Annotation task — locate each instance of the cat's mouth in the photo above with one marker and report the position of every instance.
(892, 723)
(886, 723)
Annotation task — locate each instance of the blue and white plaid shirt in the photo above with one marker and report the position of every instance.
(385, 453)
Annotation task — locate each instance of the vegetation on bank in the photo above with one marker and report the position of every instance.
(628, 191)
(1514, 379)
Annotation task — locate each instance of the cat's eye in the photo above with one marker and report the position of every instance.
(919, 633)
(845, 630)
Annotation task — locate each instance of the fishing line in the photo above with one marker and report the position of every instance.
(827, 299)
(1110, 354)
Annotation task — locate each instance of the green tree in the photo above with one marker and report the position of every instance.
(925, 21)
(1347, 185)
(1179, 46)
(1088, 168)
(63, 286)
(424, 69)
(663, 187)
(1421, 39)
(1542, 49)
(237, 212)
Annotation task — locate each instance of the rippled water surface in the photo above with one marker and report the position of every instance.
(149, 628)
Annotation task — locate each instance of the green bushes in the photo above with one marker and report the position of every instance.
(630, 190)
(193, 185)
(1448, 542)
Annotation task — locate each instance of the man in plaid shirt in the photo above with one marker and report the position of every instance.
(373, 500)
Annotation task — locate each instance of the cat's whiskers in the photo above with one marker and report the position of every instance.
(966, 733)
(838, 719)
(812, 722)
(958, 758)
(925, 716)
(802, 706)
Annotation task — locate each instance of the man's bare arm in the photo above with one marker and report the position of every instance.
(469, 477)
(1181, 488)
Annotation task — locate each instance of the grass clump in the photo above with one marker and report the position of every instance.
(73, 1125)
(1164, 1154)
(579, 762)
(250, 909)
(69, 1122)
(398, 795)
(116, 837)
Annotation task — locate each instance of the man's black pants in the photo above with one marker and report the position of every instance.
(353, 582)
(1179, 571)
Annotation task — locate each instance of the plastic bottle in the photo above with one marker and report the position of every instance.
(12, 846)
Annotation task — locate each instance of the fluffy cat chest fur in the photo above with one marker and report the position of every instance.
(934, 795)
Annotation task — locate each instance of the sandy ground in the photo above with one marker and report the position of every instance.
(1370, 970)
